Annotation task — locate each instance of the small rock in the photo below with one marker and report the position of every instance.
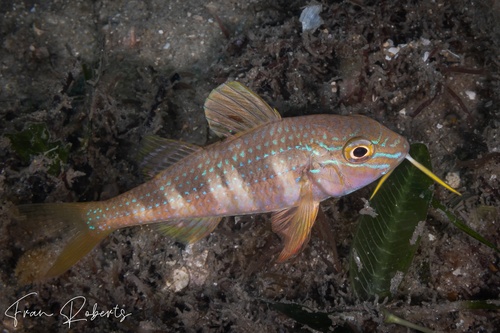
(453, 179)
(310, 18)
(179, 280)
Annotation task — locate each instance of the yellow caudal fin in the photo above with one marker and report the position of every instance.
(66, 219)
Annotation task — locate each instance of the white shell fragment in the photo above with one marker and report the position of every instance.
(179, 280)
(310, 18)
(426, 56)
(391, 51)
(367, 209)
(425, 41)
(453, 179)
(471, 94)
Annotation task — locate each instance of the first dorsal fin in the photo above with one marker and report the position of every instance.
(233, 108)
(157, 154)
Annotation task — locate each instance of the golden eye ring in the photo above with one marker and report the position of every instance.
(358, 150)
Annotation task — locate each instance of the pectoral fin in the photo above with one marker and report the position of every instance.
(294, 224)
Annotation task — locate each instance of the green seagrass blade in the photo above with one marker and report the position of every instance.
(384, 245)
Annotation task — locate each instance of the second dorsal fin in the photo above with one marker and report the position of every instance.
(233, 108)
(157, 154)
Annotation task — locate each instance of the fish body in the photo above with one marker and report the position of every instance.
(258, 171)
(265, 164)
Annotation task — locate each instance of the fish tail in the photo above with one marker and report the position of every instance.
(68, 219)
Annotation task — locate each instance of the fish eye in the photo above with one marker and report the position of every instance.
(358, 150)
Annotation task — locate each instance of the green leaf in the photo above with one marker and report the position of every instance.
(35, 140)
(319, 321)
(391, 318)
(384, 246)
(462, 225)
(480, 305)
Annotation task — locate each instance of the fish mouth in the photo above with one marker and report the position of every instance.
(422, 168)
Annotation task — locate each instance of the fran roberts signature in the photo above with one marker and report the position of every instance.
(72, 311)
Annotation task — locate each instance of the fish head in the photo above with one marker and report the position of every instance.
(364, 150)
